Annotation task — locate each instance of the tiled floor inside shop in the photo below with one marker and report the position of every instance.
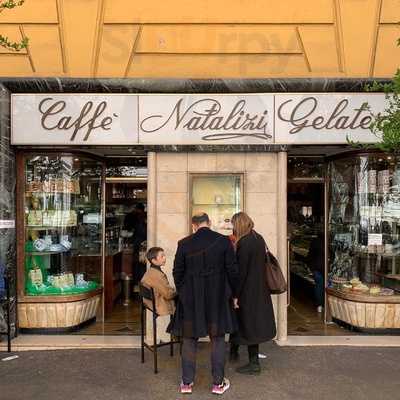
(124, 320)
(304, 320)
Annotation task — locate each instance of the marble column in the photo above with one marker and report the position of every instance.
(151, 222)
(282, 242)
(7, 204)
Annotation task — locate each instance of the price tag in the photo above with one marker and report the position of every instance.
(7, 223)
(375, 239)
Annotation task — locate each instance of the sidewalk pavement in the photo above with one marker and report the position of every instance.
(289, 373)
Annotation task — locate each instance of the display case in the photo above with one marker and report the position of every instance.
(60, 240)
(220, 196)
(364, 240)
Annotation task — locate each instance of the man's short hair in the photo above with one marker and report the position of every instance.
(153, 253)
(200, 218)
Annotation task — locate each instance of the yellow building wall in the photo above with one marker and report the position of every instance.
(203, 39)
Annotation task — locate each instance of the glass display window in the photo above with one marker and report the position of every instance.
(364, 224)
(220, 196)
(63, 224)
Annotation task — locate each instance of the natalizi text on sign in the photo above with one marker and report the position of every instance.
(305, 114)
(91, 117)
(208, 114)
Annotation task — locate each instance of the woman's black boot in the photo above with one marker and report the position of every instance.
(253, 367)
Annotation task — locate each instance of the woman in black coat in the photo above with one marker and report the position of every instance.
(255, 311)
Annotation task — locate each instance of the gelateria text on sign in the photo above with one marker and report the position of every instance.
(303, 115)
(179, 119)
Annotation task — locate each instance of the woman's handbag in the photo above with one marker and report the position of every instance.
(275, 280)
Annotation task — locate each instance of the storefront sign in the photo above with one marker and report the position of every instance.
(128, 119)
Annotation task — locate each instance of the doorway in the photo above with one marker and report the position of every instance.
(306, 212)
(306, 215)
(124, 236)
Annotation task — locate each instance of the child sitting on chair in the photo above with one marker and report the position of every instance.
(156, 279)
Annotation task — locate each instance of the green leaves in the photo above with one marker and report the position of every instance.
(10, 4)
(4, 41)
(385, 126)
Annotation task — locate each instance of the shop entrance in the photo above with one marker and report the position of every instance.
(307, 314)
(124, 236)
(306, 257)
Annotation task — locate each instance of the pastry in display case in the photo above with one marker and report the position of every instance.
(364, 240)
(62, 238)
(220, 196)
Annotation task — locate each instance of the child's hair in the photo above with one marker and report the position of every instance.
(153, 253)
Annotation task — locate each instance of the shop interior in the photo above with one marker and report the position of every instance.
(85, 231)
(125, 250)
(306, 248)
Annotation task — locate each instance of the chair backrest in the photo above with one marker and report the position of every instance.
(148, 294)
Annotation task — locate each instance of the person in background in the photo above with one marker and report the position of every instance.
(254, 305)
(135, 222)
(316, 262)
(205, 274)
(156, 279)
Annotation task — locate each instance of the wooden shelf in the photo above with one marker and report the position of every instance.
(214, 204)
(60, 298)
(45, 253)
(29, 194)
(46, 228)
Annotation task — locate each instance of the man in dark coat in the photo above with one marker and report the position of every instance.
(205, 274)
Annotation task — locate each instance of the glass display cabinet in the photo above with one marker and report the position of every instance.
(60, 240)
(220, 196)
(364, 240)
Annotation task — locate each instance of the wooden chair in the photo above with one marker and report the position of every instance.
(148, 294)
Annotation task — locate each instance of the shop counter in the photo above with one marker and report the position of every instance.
(58, 313)
(364, 311)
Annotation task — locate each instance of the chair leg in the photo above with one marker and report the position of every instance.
(142, 332)
(155, 344)
(171, 347)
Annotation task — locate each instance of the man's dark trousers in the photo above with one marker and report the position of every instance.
(189, 351)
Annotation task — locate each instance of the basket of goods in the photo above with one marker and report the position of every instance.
(387, 292)
(60, 186)
(338, 280)
(347, 286)
(52, 185)
(358, 286)
(35, 186)
(374, 290)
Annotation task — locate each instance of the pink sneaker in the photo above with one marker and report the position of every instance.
(222, 388)
(186, 389)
